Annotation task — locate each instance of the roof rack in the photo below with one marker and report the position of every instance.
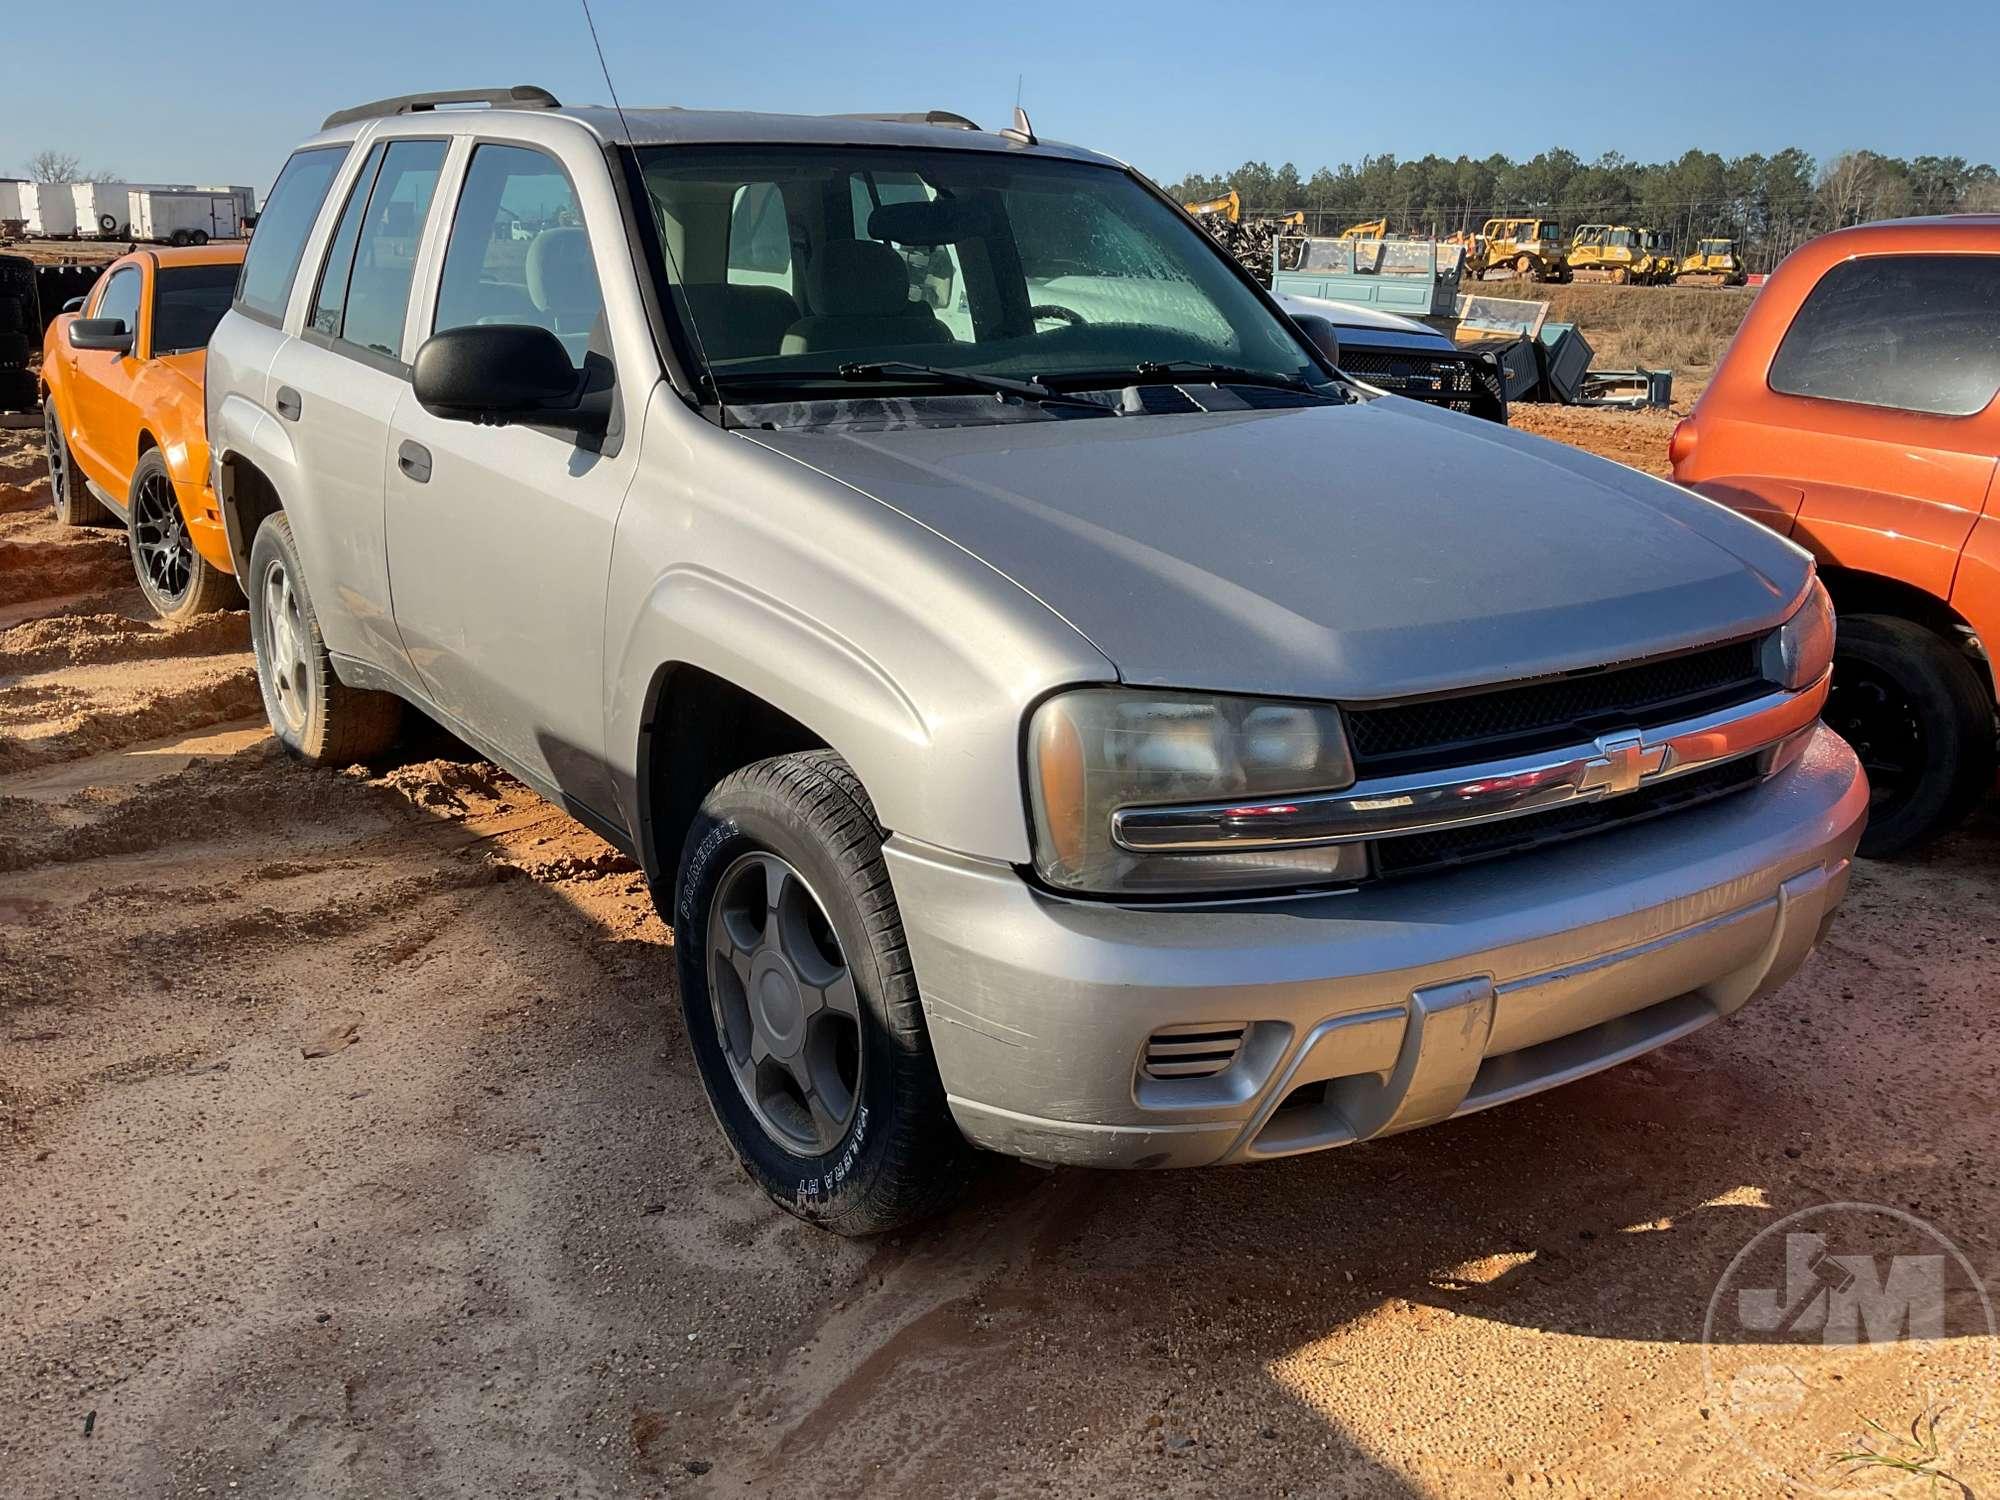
(927, 117)
(520, 96)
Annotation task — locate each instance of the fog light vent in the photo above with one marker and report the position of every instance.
(1198, 1051)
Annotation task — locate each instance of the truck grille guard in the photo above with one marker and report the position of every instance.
(1390, 807)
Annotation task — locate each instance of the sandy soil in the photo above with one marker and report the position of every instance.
(349, 1144)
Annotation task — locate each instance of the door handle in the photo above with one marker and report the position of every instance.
(289, 403)
(414, 459)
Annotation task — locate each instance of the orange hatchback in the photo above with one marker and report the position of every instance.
(127, 436)
(1856, 412)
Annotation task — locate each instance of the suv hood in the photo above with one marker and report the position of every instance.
(1371, 550)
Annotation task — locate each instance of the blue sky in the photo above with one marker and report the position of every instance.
(219, 92)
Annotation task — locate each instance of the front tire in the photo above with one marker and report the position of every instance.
(176, 579)
(315, 715)
(1921, 722)
(801, 1005)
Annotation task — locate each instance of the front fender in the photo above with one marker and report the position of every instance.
(888, 642)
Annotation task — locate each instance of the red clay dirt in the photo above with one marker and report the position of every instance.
(349, 1144)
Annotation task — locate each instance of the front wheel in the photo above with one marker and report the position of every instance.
(176, 579)
(1921, 723)
(801, 1006)
(315, 715)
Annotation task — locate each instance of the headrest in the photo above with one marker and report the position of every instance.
(561, 275)
(858, 279)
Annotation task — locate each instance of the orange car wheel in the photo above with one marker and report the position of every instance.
(68, 494)
(176, 579)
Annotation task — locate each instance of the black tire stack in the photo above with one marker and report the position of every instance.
(20, 333)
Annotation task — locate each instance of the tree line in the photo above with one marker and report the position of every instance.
(1768, 204)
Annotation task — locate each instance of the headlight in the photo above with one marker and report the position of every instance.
(1801, 650)
(1095, 750)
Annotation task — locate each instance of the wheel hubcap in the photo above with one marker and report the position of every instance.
(1874, 715)
(284, 645)
(786, 1013)
(159, 532)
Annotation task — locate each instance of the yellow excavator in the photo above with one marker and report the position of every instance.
(1713, 263)
(1532, 249)
(1229, 206)
(1370, 229)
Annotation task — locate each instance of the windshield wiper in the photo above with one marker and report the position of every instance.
(1192, 371)
(890, 371)
(896, 372)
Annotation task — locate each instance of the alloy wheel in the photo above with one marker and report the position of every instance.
(786, 1012)
(58, 457)
(285, 649)
(160, 535)
(1873, 713)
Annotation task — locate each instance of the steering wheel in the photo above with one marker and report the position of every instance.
(1067, 315)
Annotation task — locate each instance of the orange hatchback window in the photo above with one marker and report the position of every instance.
(1918, 333)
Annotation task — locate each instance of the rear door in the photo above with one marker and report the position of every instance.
(1890, 368)
(500, 538)
(336, 386)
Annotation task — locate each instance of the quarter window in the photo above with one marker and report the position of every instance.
(1918, 333)
(519, 252)
(120, 298)
(364, 291)
(279, 242)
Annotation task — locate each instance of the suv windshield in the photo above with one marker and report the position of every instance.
(796, 261)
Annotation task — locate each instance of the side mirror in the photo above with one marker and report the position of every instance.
(498, 373)
(1321, 335)
(101, 333)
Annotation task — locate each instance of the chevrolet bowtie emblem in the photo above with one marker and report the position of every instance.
(1621, 763)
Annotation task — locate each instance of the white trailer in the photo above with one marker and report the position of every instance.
(10, 198)
(102, 207)
(182, 216)
(49, 209)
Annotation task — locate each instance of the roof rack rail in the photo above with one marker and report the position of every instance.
(926, 117)
(520, 96)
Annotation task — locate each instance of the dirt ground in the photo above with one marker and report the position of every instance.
(349, 1144)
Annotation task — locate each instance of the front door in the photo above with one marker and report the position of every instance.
(500, 538)
(102, 430)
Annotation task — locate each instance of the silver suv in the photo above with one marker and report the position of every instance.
(1057, 710)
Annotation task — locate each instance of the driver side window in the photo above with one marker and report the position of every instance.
(120, 298)
(519, 252)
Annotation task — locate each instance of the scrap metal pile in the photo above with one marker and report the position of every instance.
(1251, 241)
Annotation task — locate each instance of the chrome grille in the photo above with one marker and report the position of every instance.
(1198, 1051)
(1552, 712)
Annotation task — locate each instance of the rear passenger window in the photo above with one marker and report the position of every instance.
(364, 290)
(519, 252)
(1918, 333)
(279, 241)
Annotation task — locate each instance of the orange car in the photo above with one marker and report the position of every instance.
(122, 410)
(1856, 413)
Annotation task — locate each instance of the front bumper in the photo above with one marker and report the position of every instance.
(1373, 1011)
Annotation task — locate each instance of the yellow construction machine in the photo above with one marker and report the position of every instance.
(1616, 253)
(1229, 206)
(1371, 229)
(1530, 249)
(1713, 263)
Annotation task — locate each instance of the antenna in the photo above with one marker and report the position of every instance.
(605, 67)
(666, 246)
